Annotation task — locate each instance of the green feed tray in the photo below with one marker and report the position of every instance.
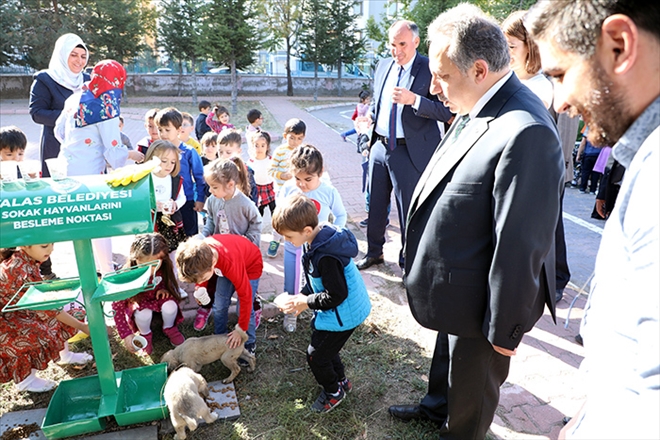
(73, 409)
(44, 295)
(125, 283)
(140, 398)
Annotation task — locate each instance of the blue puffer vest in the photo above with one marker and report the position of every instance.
(340, 244)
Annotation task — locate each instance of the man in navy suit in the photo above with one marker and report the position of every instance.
(481, 227)
(402, 141)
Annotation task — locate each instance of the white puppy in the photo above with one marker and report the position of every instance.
(184, 394)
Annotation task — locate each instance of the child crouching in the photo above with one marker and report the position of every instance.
(335, 291)
(136, 312)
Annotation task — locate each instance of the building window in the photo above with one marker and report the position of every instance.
(359, 7)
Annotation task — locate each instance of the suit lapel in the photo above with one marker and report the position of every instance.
(381, 81)
(447, 157)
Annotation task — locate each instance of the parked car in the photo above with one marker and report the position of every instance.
(226, 71)
(163, 71)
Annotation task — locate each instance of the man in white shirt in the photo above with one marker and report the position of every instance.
(606, 67)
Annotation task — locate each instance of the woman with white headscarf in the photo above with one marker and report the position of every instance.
(51, 88)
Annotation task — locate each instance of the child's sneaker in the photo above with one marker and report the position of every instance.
(256, 306)
(174, 335)
(327, 402)
(272, 249)
(346, 385)
(201, 319)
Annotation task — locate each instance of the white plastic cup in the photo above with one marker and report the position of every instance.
(57, 168)
(168, 207)
(30, 169)
(8, 171)
(139, 342)
(202, 295)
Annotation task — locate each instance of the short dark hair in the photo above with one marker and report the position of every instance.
(253, 115)
(13, 138)
(295, 126)
(549, 19)
(168, 116)
(308, 159)
(295, 213)
(151, 114)
(472, 36)
(203, 104)
(188, 117)
(194, 258)
(229, 136)
(210, 137)
(364, 94)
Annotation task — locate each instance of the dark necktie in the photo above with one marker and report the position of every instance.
(392, 133)
(460, 125)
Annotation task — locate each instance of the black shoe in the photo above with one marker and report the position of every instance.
(367, 262)
(559, 293)
(364, 223)
(578, 339)
(407, 413)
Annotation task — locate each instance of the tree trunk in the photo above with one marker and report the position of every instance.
(194, 82)
(316, 81)
(339, 66)
(180, 85)
(234, 89)
(289, 81)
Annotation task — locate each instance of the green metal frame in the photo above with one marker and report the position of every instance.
(81, 405)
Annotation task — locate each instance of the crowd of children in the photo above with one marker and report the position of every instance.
(206, 175)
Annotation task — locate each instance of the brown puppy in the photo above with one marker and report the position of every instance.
(184, 394)
(197, 352)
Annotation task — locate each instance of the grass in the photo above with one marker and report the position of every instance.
(274, 400)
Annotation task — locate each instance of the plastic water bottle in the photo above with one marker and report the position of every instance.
(290, 321)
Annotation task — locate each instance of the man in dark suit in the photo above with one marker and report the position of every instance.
(403, 140)
(480, 246)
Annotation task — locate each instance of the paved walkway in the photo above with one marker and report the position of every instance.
(543, 383)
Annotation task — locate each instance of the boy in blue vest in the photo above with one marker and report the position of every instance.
(334, 290)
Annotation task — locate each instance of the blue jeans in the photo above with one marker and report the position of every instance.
(224, 290)
(292, 268)
(349, 132)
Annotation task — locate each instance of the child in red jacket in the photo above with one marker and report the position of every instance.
(237, 263)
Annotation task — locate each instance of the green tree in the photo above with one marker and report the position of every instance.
(423, 13)
(345, 45)
(284, 21)
(40, 24)
(116, 30)
(500, 9)
(231, 37)
(180, 33)
(10, 42)
(312, 44)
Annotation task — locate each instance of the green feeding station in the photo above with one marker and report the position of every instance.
(79, 209)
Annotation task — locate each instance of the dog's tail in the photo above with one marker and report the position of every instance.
(241, 332)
